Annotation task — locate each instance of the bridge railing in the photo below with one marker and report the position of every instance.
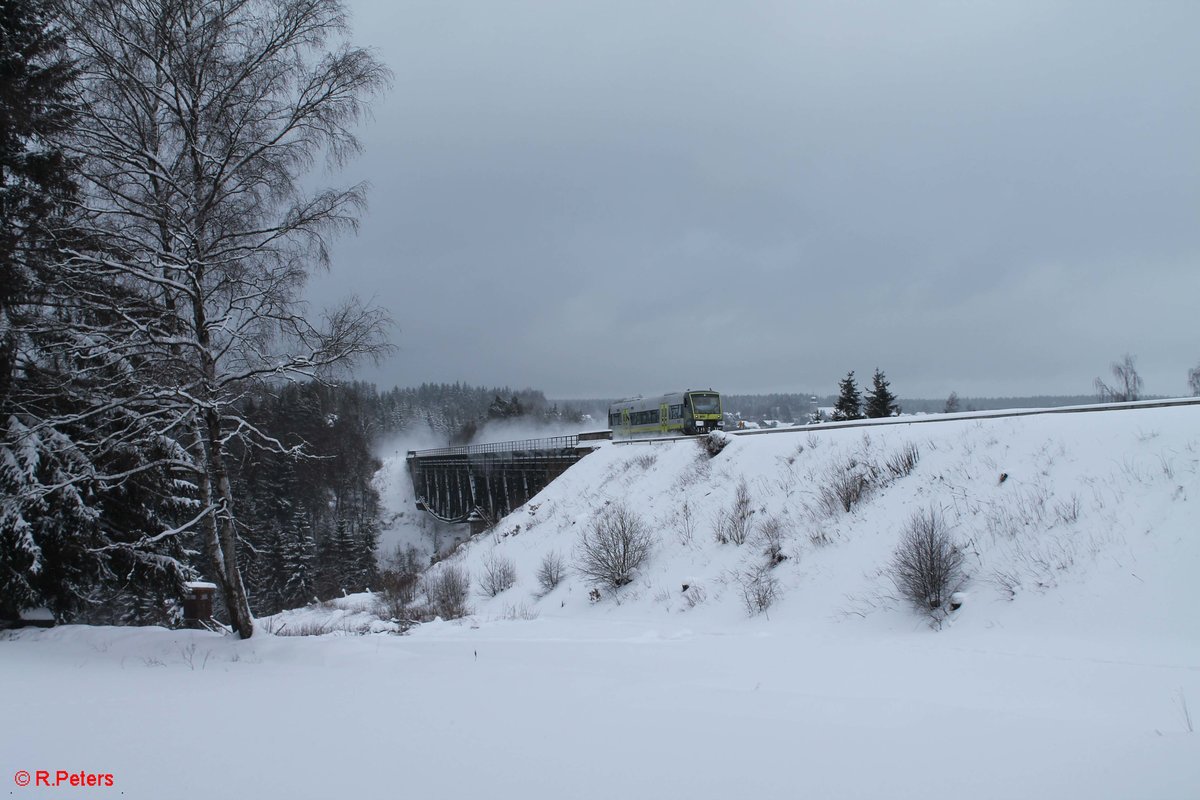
(550, 443)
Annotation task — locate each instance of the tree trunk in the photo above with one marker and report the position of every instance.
(222, 532)
(222, 546)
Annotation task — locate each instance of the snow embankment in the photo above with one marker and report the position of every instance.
(1084, 525)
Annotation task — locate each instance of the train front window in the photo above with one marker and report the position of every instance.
(706, 404)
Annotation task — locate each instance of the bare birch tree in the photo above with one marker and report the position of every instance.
(1126, 387)
(198, 120)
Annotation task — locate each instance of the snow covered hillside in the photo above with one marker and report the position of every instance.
(787, 668)
(1072, 523)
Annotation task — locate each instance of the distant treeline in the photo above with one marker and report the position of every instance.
(457, 411)
(994, 403)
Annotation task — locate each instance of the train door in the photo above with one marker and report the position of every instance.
(662, 418)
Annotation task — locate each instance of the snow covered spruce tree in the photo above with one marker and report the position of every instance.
(34, 74)
(78, 508)
(35, 77)
(880, 400)
(198, 120)
(849, 402)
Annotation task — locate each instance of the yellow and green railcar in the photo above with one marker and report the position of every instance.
(687, 413)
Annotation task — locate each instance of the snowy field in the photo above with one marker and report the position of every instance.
(1071, 670)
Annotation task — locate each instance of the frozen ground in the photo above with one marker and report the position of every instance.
(1072, 670)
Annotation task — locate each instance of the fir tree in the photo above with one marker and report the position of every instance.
(35, 178)
(34, 77)
(298, 552)
(267, 580)
(339, 566)
(506, 409)
(46, 537)
(849, 402)
(880, 400)
(368, 543)
(82, 496)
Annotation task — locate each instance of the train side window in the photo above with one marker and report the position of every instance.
(676, 411)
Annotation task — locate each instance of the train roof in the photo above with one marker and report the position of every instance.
(664, 394)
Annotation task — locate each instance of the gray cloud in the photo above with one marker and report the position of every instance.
(604, 199)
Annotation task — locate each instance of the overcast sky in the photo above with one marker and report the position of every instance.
(612, 198)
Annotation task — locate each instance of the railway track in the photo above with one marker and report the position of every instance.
(935, 418)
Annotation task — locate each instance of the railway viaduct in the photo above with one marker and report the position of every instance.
(481, 483)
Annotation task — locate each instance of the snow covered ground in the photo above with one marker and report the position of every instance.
(1072, 669)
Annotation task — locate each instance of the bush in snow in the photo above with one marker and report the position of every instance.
(521, 611)
(551, 572)
(694, 594)
(645, 460)
(927, 566)
(402, 575)
(846, 485)
(397, 590)
(446, 588)
(613, 547)
(713, 443)
(734, 525)
(772, 533)
(687, 523)
(499, 573)
(760, 588)
(903, 461)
